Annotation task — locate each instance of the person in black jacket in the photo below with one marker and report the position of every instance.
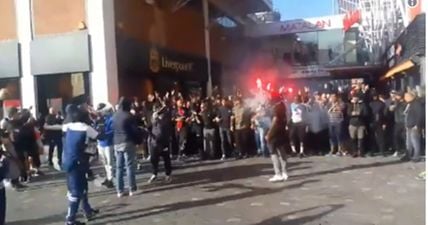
(414, 117)
(399, 133)
(278, 139)
(126, 135)
(208, 120)
(53, 135)
(357, 111)
(377, 124)
(159, 139)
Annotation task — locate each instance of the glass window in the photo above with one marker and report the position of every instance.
(305, 49)
(351, 47)
(330, 46)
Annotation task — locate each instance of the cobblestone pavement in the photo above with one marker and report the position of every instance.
(320, 190)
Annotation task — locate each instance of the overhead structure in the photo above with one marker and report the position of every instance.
(241, 10)
(381, 22)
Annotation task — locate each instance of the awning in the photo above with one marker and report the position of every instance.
(399, 68)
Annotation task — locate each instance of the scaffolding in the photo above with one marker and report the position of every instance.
(381, 23)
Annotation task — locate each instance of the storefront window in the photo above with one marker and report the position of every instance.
(330, 46)
(305, 49)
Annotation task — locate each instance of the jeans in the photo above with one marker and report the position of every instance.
(209, 142)
(262, 145)
(58, 143)
(2, 206)
(225, 140)
(335, 133)
(125, 157)
(413, 143)
(157, 151)
(357, 134)
(242, 140)
(181, 137)
(399, 138)
(378, 138)
(77, 186)
(107, 157)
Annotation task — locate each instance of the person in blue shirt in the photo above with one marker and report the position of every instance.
(105, 146)
(75, 164)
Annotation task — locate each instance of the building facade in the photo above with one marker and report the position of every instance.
(55, 52)
(304, 52)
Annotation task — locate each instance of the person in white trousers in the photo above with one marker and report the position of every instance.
(105, 146)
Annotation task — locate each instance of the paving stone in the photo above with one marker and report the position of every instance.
(325, 191)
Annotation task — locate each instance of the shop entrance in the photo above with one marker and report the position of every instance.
(58, 90)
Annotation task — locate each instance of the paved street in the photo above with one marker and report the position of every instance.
(320, 190)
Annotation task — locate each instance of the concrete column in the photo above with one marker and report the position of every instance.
(101, 27)
(25, 35)
(207, 44)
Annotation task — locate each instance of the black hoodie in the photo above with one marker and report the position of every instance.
(125, 127)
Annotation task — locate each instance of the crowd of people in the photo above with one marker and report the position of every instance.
(268, 123)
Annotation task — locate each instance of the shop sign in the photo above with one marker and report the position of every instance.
(309, 72)
(305, 26)
(159, 62)
(296, 26)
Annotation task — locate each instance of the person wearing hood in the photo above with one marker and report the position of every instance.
(377, 124)
(126, 135)
(159, 139)
(105, 146)
(76, 164)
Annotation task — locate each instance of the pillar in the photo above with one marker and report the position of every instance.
(104, 74)
(25, 35)
(207, 44)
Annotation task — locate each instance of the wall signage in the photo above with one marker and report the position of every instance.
(159, 62)
(296, 26)
(308, 72)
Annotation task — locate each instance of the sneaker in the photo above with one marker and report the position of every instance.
(276, 178)
(90, 177)
(18, 186)
(90, 216)
(108, 184)
(104, 183)
(395, 154)
(120, 194)
(284, 176)
(168, 179)
(152, 179)
(223, 157)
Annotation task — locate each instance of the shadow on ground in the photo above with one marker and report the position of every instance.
(284, 219)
